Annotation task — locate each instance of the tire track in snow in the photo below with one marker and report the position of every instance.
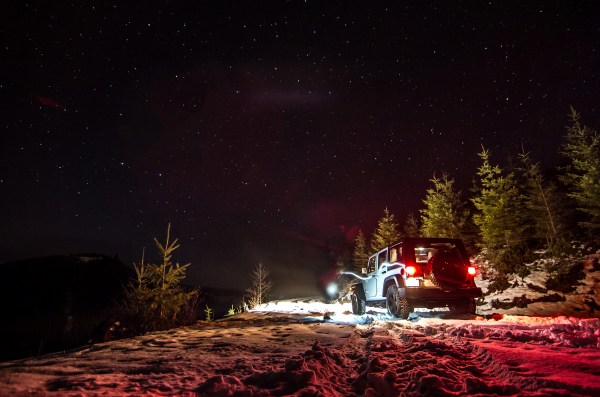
(272, 357)
(418, 365)
(388, 360)
(414, 364)
(518, 373)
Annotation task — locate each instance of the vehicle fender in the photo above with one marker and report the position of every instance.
(354, 275)
(396, 280)
(359, 290)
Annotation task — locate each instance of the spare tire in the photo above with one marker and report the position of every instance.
(447, 270)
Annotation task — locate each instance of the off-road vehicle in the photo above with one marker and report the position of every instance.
(416, 272)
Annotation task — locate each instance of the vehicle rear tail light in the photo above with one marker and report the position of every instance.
(411, 270)
(471, 270)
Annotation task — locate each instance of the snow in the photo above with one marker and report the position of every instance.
(584, 301)
(305, 347)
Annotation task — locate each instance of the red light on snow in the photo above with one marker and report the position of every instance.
(471, 270)
(411, 270)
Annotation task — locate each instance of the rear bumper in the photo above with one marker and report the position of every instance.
(435, 294)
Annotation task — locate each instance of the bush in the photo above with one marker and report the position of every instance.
(507, 261)
(498, 283)
(567, 278)
(258, 293)
(560, 248)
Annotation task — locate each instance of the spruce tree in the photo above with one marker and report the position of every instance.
(360, 255)
(500, 217)
(582, 174)
(546, 207)
(411, 226)
(154, 299)
(445, 214)
(386, 232)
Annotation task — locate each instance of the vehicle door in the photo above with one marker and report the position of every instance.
(369, 283)
(375, 283)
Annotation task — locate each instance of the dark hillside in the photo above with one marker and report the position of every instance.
(59, 302)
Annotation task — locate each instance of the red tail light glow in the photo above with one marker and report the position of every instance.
(472, 270)
(411, 270)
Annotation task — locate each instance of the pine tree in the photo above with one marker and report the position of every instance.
(261, 286)
(445, 214)
(546, 206)
(500, 217)
(386, 232)
(154, 298)
(582, 174)
(360, 255)
(411, 226)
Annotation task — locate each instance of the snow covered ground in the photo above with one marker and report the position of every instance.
(534, 299)
(304, 347)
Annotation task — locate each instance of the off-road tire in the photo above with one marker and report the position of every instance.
(359, 302)
(397, 306)
(465, 306)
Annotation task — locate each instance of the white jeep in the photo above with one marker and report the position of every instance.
(416, 272)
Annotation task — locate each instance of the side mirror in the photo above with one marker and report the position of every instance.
(364, 270)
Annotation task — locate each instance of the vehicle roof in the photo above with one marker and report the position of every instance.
(421, 240)
(427, 240)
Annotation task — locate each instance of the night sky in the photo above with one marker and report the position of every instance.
(269, 131)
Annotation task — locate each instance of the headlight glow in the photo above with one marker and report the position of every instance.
(332, 289)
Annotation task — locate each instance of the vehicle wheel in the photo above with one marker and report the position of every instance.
(359, 303)
(397, 306)
(465, 306)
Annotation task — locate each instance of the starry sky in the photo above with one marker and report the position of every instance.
(269, 131)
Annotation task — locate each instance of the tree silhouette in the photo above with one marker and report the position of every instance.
(445, 214)
(500, 217)
(154, 297)
(261, 286)
(360, 255)
(386, 232)
(582, 174)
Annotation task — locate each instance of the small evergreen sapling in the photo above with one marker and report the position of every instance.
(154, 299)
(209, 313)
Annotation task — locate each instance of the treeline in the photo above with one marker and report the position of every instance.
(510, 213)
